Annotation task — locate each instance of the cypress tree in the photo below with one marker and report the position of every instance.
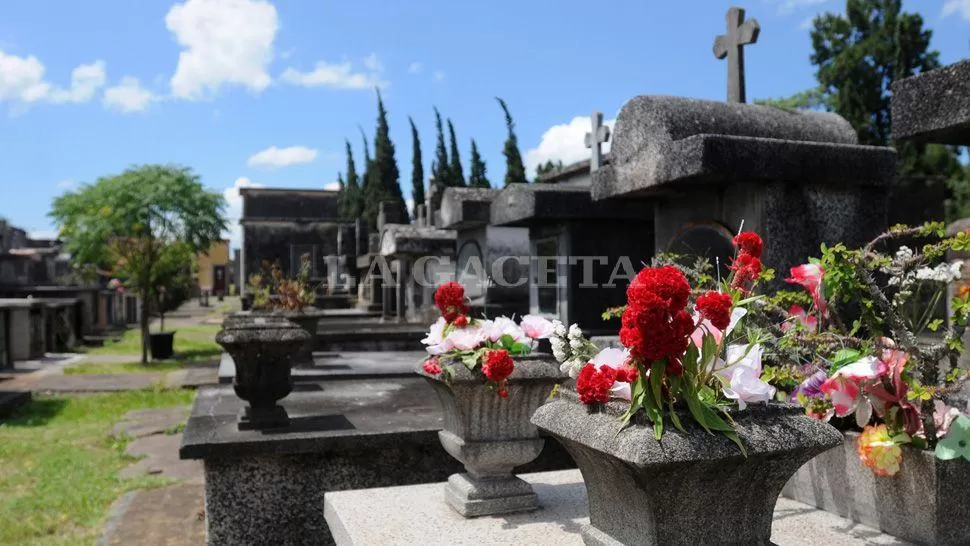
(417, 170)
(477, 178)
(383, 176)
(341, 194)
(351, 202)
(514, 169)
(440, 169)
(455, 170)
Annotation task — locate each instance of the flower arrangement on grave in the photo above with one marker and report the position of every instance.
(272, 291)
(683, 347)
(487, 345)
(871, 351)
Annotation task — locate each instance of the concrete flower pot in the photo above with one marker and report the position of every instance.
(308, 319)
(491, 435)
(927, 502)
(693, 488)
(263, 348)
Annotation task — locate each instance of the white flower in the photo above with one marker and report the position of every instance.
(956, 270)
(904, 254)
(575, 332)
(941, 273)
(537, 327)
(558, 328)
(572, 367)
(436, 333)
(495, 329)
(743, 376)
(467, 338)
(558, 349)
(576, 344)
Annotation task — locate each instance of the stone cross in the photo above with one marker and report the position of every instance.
(730, 45)
(600, 134)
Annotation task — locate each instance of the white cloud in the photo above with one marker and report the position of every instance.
(439, 76)
(22, 82)
(128, 96)
(66, 185)
(224, 42)
(282, 157)
(234, 208)
(338, 75)
(788, 6)
(565, 142)
(962, 7)
(332, 186)
(808, 23)
(415, 67)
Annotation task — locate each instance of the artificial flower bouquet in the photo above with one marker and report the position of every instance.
(485, 344)
(871, 350)
(684, 348)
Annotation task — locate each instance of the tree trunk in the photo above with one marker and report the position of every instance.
(144, 322)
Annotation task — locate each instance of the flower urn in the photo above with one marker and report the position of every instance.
(691, 487)
(491, 434)
(263, 348)
(926, 502)
(308, 319)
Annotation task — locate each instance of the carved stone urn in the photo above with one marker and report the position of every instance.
(492, 435)
(688, 488)
(263, 348)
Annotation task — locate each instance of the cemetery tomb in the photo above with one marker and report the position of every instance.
(933, 106)
(411, 298)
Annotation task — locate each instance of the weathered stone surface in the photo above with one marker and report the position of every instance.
(525, 204)
(644, 491)
(405, 239)
(354, 365)
(169, 516)
(926, 502)
(933, 106)
(268, 487)
(463, 208)
(659, 141)
(138, 423)
(416, 515)
(159, 456)
(492, 435)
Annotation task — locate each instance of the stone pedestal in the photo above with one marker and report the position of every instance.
(688, 488)
(492, 435)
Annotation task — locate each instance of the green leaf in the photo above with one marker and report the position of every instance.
(673, 417)
(656, 380)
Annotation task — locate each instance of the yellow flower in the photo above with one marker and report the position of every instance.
(878, 451)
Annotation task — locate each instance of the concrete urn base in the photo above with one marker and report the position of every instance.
(491, 435)
(686, 489)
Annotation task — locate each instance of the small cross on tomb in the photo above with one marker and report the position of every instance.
(731, 45)
(600, 135)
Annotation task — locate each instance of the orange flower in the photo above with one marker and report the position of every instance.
(878, 451)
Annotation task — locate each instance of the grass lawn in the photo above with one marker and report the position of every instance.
(97, 368)
(59, 465)
(196, 341)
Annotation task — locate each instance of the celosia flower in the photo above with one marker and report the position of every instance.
(743, 376)
(878, 451)
(623, 372)
(797, 314)
(716, 307)
(957, 441)
(747, 269)
(594, 385)
(537, 327)
(431, 366)
(450, 300)
(498, 365)
(750, 243)
(461, 321)
(810, 277)
(667, 283)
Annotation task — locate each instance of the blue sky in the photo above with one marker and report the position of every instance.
(264, 92)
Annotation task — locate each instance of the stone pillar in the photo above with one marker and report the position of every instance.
(403, 280)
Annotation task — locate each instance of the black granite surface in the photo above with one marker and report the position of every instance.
(934, 106)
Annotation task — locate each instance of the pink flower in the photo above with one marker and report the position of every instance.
(466, 339)
(944, 416)
(501, 326)
(797, 314)
(844, 387)
(810, 277)
(435, 340)
(704, 327)
(536, 327)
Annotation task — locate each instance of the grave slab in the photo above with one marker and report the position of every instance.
(417, 514)
(268, 486)
(344, 365)
(934, 106)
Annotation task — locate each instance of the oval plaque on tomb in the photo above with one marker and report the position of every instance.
(471, 270)
(709, 240)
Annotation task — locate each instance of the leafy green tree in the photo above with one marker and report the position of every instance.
(547, 167)
(456, 170)
(417, 170)
(383, 182)
(477, 177)
(514, 169)
(130, 224)
(440, 168)
(352, 197)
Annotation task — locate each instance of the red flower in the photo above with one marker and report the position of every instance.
(594, 385)
(461, 321)
(503, 392)
(674, 367)
(627, 374)
(450, 299)
(498, 365)
(655, 324)
(716, 307)
(431, 366)
(747, 269)
(750, 243)
(667, 283)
